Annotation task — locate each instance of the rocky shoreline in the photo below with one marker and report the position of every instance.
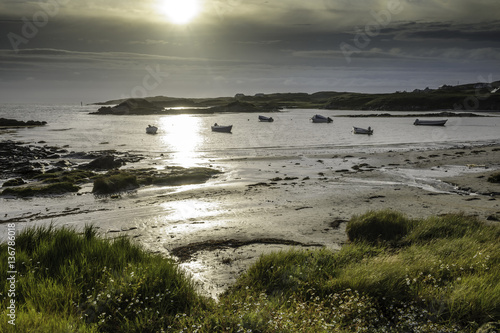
(18, 159)
(421, 115)
(13, 123)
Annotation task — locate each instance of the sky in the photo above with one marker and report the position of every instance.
(72, 51)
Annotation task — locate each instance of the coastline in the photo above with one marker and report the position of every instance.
(267, 204)
(314, 210)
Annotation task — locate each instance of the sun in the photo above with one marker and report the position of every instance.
(179, 11)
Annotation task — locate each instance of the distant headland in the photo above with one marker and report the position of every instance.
(471, 97)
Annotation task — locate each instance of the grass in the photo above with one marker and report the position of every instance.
(396, 274)
(70, 282)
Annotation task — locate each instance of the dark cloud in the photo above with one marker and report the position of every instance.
(246, 46)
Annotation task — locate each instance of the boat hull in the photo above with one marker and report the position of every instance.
(321, 119)
(358, 130)
(151, 129)
(222, 129)
(430, 122)
(266, 119)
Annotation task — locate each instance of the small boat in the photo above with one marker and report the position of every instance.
(268, 119)
(151, 129)
(359, 130)
(430, 122)
(221, 128)
(317, 118)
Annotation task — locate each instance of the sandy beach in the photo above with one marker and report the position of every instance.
(258, 205)
(305, 202)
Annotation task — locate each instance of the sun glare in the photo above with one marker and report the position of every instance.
(179, 11)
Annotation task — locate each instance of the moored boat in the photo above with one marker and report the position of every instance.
(317, 118)
(221, 128)
(430, 122)
(151, 129)
(268, 119)
(359, 130)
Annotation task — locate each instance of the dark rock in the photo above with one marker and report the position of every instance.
(4, 122)
(63, 163)
(132, 106)
(14, 182)
(104, 162)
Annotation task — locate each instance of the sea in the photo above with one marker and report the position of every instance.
(187, 140)
(246, 155)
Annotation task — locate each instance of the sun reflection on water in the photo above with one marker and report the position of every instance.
(181, 135)
(191, 212)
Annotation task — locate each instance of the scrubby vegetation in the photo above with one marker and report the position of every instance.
(176, 176)
(49, 183)
(28, 191)
(433, 275)
(445, 98)
(115, 181)
(72, 176)
(495, 178)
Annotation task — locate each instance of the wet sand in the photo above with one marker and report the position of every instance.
(306, 201)
(261, 205)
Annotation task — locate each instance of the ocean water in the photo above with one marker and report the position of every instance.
(187, 140)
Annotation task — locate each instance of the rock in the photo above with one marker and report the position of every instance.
(14, 182)
(63, 163)
(131, 106)
(25, 169)
(104, 162)
(4, 122)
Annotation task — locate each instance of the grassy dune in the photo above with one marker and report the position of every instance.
(395, 275)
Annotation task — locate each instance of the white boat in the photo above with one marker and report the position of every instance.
(317, 118)
(151, 129)
(268, 119)
(221, 128)
(359, 130)
(430, 122)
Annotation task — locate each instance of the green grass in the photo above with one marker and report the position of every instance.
(396, 274)
(66, 279)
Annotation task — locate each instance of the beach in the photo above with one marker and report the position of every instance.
(294, 185)
(258, 205)
(254, 218)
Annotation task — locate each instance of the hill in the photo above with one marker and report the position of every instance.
(473, 96)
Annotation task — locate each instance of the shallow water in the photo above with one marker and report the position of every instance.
(256, 151)
(187, 139)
